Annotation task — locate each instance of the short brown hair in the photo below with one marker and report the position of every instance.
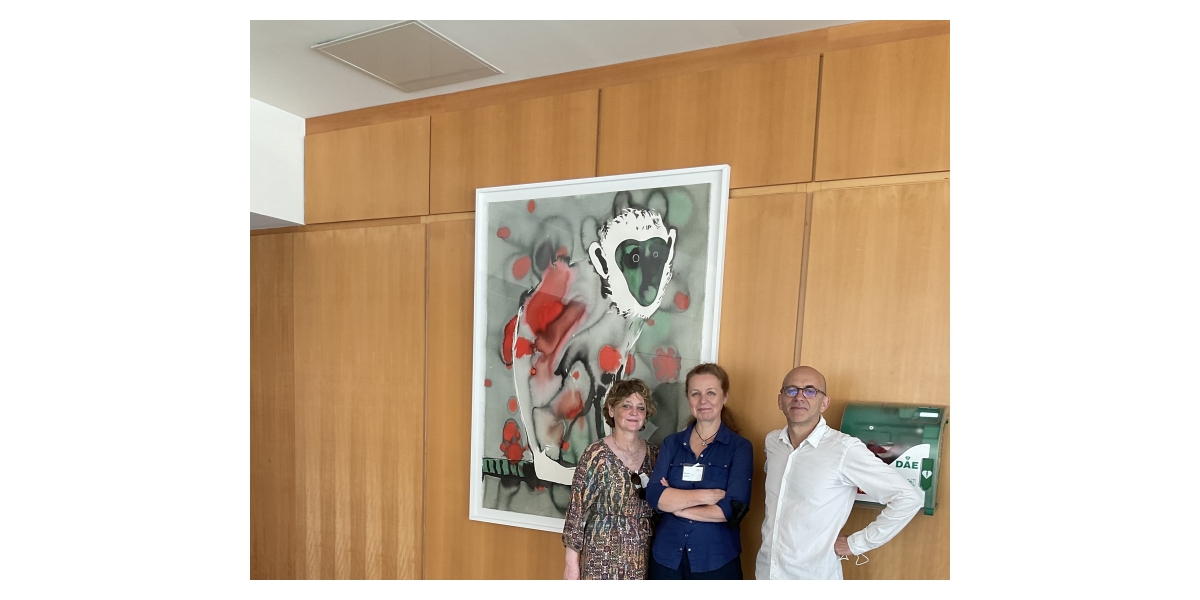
(624, 389)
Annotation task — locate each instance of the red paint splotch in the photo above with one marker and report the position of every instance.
(549, 320)
(512, 405)
(566, 445)
(524, 347)
(650, 322)
(487, 383)
(531, 206)
(666, 364)
(544, 309)
(506, 345)
(511, 446)
(610, 359)
(503, 233)
(682, 301)
(521, 266)
(568, 404)
(630, 365)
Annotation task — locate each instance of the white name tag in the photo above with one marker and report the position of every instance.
(693, 472)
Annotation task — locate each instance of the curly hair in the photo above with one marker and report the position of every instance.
(624, 389)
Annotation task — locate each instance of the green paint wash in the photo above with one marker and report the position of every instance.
(679, 207)
(653, 335)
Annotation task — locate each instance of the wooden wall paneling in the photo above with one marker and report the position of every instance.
(373, 172)
(272, 410)
(543, 139)
(785, 46)
(760, 294)
(885, 110)
(455, 546)
(870, 33)
(757, 117)
(877, 325)
(360, 340)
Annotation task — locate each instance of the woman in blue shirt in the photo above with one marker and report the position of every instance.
(701, 485)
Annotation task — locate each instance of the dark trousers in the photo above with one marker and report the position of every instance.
(729, 570)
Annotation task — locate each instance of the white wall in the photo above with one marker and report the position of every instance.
(276, 163)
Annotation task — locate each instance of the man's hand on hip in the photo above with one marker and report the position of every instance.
(842, 546)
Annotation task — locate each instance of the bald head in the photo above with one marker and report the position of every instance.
(801, 412)
(801, 376)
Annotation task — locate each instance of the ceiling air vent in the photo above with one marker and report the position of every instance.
(408, 55)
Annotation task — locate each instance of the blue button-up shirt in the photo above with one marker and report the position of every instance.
(728, 464)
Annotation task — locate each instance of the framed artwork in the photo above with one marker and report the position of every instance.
(579, 284)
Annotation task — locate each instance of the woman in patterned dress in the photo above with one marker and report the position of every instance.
(609, 524)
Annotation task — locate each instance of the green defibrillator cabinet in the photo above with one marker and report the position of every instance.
(908, 437)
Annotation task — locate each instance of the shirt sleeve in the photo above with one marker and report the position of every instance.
(741, 469)
(882, 482)
(583, 495)
(654, 489)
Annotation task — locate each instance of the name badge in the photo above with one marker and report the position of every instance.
(693, 472)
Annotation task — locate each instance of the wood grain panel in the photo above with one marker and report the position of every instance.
(885, 110)
(877, 325)
(756, 117)
(785, 46)
(372, 172)
(544, 139)
(763, 251)
(272, 410)
(455, 546)
(360, 339)
(869, 33)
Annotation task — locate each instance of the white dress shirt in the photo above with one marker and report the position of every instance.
(809, 493)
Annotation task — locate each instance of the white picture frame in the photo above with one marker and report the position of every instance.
(540, 256)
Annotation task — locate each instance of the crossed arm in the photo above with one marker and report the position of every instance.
(697, 505)
(709, 505)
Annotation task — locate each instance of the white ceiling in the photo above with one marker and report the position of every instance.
(288, 74)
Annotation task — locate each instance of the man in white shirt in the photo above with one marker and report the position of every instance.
(813, 475)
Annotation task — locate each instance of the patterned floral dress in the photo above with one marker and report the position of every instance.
(607, 523)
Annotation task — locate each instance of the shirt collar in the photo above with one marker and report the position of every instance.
(813, 438)
(818, 432)
(724, 434)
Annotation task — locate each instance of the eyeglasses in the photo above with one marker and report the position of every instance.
(636, 479)
(809, 391)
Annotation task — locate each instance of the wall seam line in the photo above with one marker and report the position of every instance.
(812, 175)
(808, 208)
(425, 412)
(599, 115)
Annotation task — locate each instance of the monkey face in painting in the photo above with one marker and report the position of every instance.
(634, 257)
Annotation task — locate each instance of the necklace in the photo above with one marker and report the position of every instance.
(703, 440)
(626, 456)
